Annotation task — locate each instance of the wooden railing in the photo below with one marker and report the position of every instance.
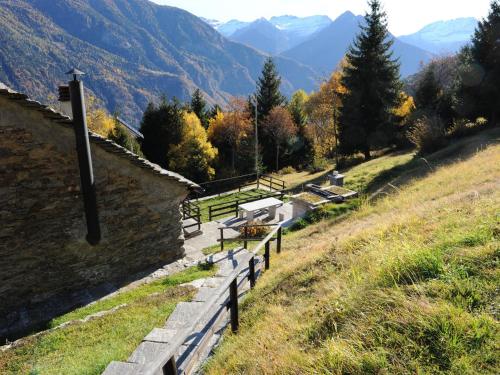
(272, 183)
(231, 207)
(165, 362)
(191, 210)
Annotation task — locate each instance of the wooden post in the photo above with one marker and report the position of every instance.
(251, 272)
(209, 213)
(278, 242)
(233, 304)
(267, 256)
(170, 367)
(221, 239)
(236, 208)
(245, 242)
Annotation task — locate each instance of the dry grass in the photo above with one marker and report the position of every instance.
(408, 285)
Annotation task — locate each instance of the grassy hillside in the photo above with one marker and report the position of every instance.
(406, 285)
(108, 330)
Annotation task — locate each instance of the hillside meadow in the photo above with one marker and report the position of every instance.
(408, 284)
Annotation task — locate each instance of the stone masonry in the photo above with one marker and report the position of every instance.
(46, 265)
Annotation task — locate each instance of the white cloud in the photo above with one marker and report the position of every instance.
(405, 16)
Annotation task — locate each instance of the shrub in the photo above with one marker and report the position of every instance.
(428, 134)
(299, 224)
(318, 165)
(255, 232)
(463, 127)
(287, 170)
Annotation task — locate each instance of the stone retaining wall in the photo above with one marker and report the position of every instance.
(46, 265)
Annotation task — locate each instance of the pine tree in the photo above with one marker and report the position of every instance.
(199, 107)
(214, 111)
(268, 89)
(268, 97)
(161, 127)
(428, 92)
(372, 82)
(479, 93)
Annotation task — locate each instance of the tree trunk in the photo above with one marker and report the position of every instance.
(277, 156)
(233, 152)
(366, 152)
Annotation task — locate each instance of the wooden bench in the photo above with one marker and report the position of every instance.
(250, 209)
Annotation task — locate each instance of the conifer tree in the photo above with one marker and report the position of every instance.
(199, 107)
(371, 78)
(428, 92)
(161, 127)
(268, 97)
(480, 87)
(268, 89)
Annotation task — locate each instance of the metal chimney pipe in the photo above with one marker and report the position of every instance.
(84, 158)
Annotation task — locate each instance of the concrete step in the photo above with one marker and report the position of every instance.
(121, 368)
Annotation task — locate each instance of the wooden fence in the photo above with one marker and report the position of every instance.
(190, 210)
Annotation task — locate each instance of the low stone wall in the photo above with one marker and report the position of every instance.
(46, 265)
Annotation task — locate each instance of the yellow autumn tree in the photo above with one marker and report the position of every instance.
(194, 156)
(228, 130)
(405, 109)
(98, 120)
(322, 109)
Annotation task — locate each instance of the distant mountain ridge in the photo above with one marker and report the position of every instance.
(133, 51)
(443, 37)
(272, 36)
(325, 49)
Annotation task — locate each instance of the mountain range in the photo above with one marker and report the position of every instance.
(322, 42)
(133, 51)
(328, 46)
(443, 37)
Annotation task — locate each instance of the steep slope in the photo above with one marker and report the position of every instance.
(326, 48)
(443, 37)
(132, 51)
(264, 36)
(406, 285)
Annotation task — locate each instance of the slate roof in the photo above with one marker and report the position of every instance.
(104, 143)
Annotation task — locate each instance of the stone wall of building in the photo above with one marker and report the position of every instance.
(46, 265)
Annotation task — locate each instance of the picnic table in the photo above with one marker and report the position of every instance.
(250, 209)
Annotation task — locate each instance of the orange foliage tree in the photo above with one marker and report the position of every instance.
(227, 130)
(279, 126)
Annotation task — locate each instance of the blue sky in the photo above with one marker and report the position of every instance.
(405, 16)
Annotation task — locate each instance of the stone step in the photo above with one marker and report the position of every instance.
(121, 368)
(183, 315)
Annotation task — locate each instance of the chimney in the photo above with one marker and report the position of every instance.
(65, 100)
(84, 157)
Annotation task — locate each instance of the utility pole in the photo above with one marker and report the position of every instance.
(256, 143)
(335, 131)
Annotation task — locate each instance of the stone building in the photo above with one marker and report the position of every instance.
(46, 265)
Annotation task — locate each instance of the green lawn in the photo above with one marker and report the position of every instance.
(87, 348)
(204, 204)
